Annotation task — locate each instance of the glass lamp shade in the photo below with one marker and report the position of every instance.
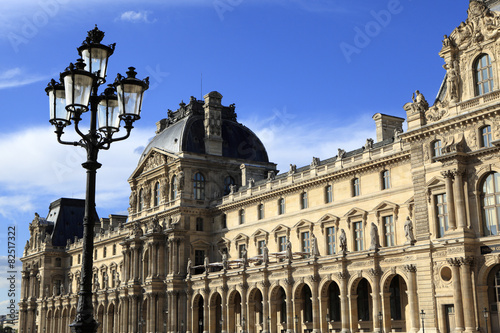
(57, 98)
(78, 86)
(130, 92)
(108, 112)
(94, 54)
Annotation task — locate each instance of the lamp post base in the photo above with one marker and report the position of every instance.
(84, 326)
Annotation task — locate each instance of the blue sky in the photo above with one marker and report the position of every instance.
(306, 76)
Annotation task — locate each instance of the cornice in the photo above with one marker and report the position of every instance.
(335, 175)
(450, 123)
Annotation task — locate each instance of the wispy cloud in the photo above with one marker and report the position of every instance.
(17, 77)
(290, 141)
(136, 16)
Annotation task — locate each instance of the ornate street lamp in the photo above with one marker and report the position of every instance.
(485, 315)
(75, 95)
(422, 315)
(243, 324)
(296, 323)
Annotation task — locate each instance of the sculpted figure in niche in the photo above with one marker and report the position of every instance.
(54, 290)
(452, 79)
(288, 253)
(244, 257)
(314, 246)
(61, 289)
(180, 181)
(265, 254)
(343, 241)
(375, 244)
(205, 264)
(408, 227)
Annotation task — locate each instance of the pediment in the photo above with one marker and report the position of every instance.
(260, 232)
(304, 224)
(328, 218)
(435, 182)
(281, 228)
(356, 212)
(386, 205)
(241, 238)
(153, 159)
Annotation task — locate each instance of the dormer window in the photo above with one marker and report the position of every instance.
(484, 75)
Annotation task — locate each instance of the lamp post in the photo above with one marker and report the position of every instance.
(485, 315)
(269, 324)
(200, 325)
(75, 95)
(380, 317)
(182, 326)
(422, 315)
(296, 319)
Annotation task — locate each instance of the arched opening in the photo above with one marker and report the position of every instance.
(483, 75)
(111, 318)
(256, 314)
(398, 303)
(333, 313)
(494, 298)
(100, 318)
(143, 317)
(363, 302)
(278, 318)
(198, 312)
(216, 313)
(489, 203)
(57, 321)
(49, 321)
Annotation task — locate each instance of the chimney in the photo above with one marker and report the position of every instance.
(386, 125)
(213, 123)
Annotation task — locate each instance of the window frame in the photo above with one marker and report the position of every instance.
(328, 194)
(356, 187)
(331, 240)
(260, 211)
(358, 235)
(486, 136)
(199, 183)
(480, 81)
(389, 235)
(493, 208)
(304, 201)
(156, 194)
(281, 206)
(385, 177)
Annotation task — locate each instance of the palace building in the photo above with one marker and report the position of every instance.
(400, 235)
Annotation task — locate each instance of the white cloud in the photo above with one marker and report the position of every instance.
(16, 77)
(36, 169)
(289, 141)
(136, 17)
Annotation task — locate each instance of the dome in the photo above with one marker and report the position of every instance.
(184, 131)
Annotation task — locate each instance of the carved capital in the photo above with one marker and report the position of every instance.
(343, 275)
(448, 174)
(375, 272)
(469, 261)
(410, 268)
(454, 262)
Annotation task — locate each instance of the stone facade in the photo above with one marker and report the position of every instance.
(217, 240)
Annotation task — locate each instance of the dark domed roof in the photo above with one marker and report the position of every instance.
(184, 131)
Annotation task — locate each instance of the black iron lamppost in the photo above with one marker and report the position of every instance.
(485, 315)
(75, 95)
(380, 317)
(182, 326)
(296, 323)
(243, 324)
(422, 315)
(269, 324)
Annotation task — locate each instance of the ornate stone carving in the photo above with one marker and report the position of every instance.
(374, 239)
(408, 227)
(419, 104)
(343, 241)
(315, 162)
(155, 160)
(410, 268)
(375, 272)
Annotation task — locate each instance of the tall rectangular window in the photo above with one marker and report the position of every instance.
(328, 194)
(241, 250)
(306, 242)
(389, 230)
(282, 243)
(261, 244)
(356, 188)
(260, 211)
(358, 236)
(330, 240)
(281, 206)
(486, 136)
(242, 216)
(199, 260)
(303, 200)
(386, 180)
(199, 224)
(441, 214)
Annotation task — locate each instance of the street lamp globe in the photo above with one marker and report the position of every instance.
(130, 92)
(59, 116)
(108, 112)
(96, 55)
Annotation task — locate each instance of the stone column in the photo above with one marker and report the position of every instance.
(460, 200)
(467, 294)
(170, 252)
(289, 306)
(450, 202)
(376, 272)
(155, 259)
(265, 306)
(25, 280)
(413, 322)
(224, 307)
(189, 315)
(315, 303)
(344, 302)
(206, 313)
(457, 294)
(134, 299)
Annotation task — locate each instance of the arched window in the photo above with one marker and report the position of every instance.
(484, 75)
(281, 206)
(173, 186)
(141, 201)
(491, 203)
(486, 137)
(228, 181)
(436, 148)
(199, 186)
(156, 194)
(303, 200)
(356, 187)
